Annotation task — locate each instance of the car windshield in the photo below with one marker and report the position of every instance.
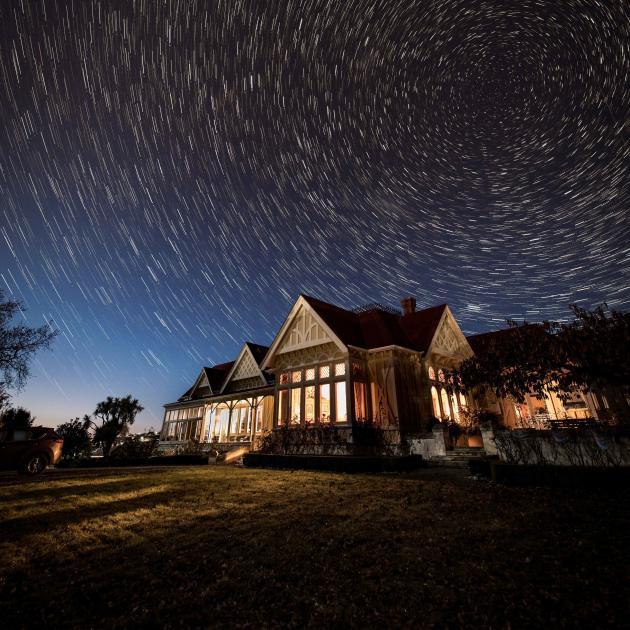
(20, 435)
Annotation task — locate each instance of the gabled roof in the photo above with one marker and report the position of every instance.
(376, 328)
(215, 376)
(257, 353)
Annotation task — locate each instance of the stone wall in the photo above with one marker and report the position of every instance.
(581, 447)
(430, 445)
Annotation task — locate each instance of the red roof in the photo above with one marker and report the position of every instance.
(376, 328)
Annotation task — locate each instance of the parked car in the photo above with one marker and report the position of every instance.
(29, 451)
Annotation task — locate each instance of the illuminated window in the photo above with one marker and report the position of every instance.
(284, 378)
(360, 411)
(462, 400)
(296, 377)
(436, 402)
(324, 371)
(340, 369)
(296, 399)
(324, 402)
(441, 376)
(455, 408)
(259, 415)
(341, 408)
(309, 403)
(446, 413)
(243, 420)
(310, 374)
(431, 373)
(225, 419)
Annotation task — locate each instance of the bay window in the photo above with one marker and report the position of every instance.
(313, 394)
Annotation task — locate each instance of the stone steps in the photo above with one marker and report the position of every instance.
(457, 458)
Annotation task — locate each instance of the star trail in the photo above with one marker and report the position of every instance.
(173, 174)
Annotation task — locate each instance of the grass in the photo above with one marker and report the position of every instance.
(221, 546)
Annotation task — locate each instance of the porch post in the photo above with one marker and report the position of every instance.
(253, 409)
(229, 426)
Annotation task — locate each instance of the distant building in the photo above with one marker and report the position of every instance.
(332, 365)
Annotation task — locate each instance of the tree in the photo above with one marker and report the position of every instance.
(18, 344)
(4, 400)
(16, 418)
(589, 353)
(76, 438)
(116, 415)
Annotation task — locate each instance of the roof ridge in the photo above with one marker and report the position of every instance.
(310, 298)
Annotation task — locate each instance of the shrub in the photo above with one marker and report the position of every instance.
(135, 447)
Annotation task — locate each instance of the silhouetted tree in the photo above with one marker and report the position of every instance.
(589, 353)
(4, 400)
(116, 415)
(16, 418)
(17, 345)
(76, 438)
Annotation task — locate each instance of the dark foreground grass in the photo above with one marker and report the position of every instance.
(226, 547)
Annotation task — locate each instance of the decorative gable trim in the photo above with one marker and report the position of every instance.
(303, 328)
(245, 368)
(202, 381)
(448, 339)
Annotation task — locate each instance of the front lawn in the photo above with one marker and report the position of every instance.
(228, 547)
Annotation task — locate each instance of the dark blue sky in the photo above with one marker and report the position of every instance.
(172, 177)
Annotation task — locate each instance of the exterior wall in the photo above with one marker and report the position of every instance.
(382, 380)
(409, 392)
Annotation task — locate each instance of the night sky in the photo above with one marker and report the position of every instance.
(173, 174)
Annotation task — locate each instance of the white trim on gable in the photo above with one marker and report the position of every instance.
(302, 328)
(448, 338)
(245, 366)
(202, 381)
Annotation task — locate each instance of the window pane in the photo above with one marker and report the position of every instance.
(296, 397)
(436, 402)
(296, 377)
(225, 419)
(340, 369)
(259, 414)
(340, 406)
(447, 411)
(360, 412)
(324, 371)
(324, 402)
(309, 403)
(431, 373)
(282, 407)
(455, 408)
(284, 378)
(310, 374)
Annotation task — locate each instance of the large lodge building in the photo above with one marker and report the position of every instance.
(332, 365)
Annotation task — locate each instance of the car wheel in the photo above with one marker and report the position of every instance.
(35, 464)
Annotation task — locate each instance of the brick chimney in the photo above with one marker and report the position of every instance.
(408, 305)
